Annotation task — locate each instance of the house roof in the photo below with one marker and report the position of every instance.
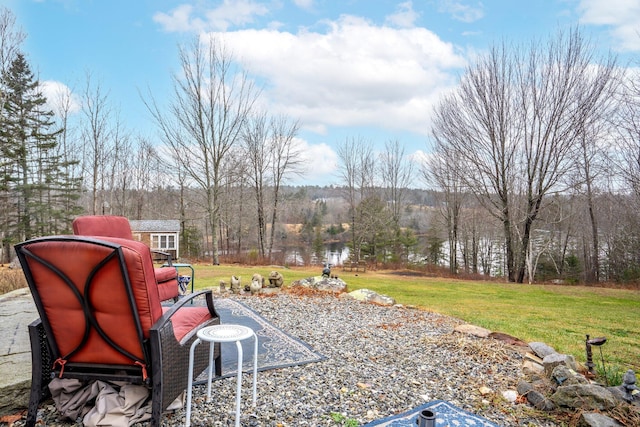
(155, 225)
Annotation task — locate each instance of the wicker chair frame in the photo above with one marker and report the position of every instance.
(163, 367)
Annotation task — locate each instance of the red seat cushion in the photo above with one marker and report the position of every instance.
(165, 274)
(168, 290)
(186, 319)
(167, 278)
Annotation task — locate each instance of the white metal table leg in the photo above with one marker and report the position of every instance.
(221, 334)
(190, 381)
(255, 368)
(238, 383)
(212, 347)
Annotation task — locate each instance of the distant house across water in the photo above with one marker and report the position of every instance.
(161, 235)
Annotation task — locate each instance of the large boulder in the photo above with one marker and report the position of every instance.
(17, 311)
(367, 295)
(320, 283)
(585, 396)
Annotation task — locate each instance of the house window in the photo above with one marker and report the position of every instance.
(163, 241)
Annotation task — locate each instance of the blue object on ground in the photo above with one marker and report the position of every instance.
(446, 415)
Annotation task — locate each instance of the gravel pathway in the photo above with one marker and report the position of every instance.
(380, 361)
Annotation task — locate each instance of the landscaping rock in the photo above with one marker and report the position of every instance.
(509, 339)
(628, 391)
(595, 419)
(532, 365)
(541, 349)
(367, 295)
(320, 283)
(585, 396)
(563, 375)
(473, 330)
(510, 395)
(534, 397)
(552, 360)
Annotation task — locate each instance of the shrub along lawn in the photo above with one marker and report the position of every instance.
(559, 316)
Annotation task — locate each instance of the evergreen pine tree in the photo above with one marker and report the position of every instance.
(33, 182)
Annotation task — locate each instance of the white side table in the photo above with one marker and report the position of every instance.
(223, 333)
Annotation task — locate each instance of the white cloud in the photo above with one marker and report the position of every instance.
(178, 20)
(460, 11)
(228, 14)
(622, 16)
(420, 157)
(405, 17)
(353, 74)
(304, 4)
(321, 163)
(235, 12)
(60, 97)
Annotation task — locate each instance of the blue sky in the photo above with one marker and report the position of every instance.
(369, 69)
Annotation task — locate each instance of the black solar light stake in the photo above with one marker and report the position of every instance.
(590, 365)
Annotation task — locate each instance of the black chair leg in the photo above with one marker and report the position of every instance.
(38, 346)
(156, 405)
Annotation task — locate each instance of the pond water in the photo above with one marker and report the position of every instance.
(335, 253)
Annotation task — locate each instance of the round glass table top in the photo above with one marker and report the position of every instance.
(225, 333)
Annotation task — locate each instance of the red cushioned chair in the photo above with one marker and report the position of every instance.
(118, 226)
(101, 319)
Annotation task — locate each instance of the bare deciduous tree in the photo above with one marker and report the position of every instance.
(144, 161)
(204, 120)
(397, 176)
(257, 154)
(514, 123)
(97, 141)
(118, 168)
(286, 161)
(11, 37)
(271, 156)
(628, 125)
(443, 170)
(357, 170)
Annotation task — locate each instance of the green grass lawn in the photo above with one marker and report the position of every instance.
(559, 316)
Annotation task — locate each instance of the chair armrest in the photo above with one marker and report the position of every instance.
(161, 322)
(167, 255)
(169, 357)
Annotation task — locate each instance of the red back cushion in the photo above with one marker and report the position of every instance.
(106, 294)
(102, 225)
